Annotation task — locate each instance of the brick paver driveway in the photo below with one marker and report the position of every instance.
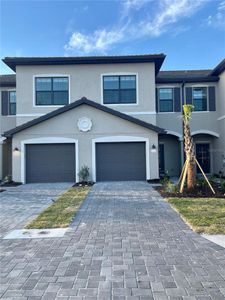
(125, 243)
(19, 205)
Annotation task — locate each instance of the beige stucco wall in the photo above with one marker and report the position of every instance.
(220, 143)
(172, 154)
(170, 121)
(1, 160)
(221, 94)
(86, 80)
(201, 121)
(65, 125)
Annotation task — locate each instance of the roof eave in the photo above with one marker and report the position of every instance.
(8, 84)
(158, 59)
(188, 80)
(218, 69)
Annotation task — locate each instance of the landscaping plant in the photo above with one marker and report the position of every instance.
(84, 174)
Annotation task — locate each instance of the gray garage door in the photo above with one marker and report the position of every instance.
(50, 163)
(120, 161)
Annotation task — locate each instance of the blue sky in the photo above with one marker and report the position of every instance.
(190, 32)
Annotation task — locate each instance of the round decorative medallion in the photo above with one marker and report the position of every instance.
(84, 124)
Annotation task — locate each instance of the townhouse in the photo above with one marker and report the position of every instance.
(119, 115)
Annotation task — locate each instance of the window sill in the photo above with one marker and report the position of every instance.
(168, 112)
(202, 111)
(115, 104)
(50, 105)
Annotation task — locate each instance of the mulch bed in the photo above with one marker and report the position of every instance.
(197, 192)
(10, 184)
(82, 184)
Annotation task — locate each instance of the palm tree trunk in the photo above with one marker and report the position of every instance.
(189, 150)
(191, 176)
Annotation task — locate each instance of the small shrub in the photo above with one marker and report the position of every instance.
(222, 185)
(170, 187)
(7, 179)
(201, 182)
(84, 174)
(165, 179)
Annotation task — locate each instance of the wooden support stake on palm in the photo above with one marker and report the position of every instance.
(203, 173)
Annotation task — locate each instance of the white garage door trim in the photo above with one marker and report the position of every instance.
(47, 140)
(110, 139)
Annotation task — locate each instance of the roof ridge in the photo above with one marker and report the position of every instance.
(75, 104)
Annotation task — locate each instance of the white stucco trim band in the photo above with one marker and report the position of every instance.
(213, 133)
(2, 139)
(29, 115)
(47, 140)
(180, 136)
(140, 113)
(117, 139)
(221, 118)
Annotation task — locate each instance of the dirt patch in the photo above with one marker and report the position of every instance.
(82, 184)
(203, 192)
(10, 184)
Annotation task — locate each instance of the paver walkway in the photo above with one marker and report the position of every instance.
(19, 205)
(125, 243)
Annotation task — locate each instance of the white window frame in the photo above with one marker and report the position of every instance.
(119, 139)
(47, 140)
(9, 90)
(207, 96)
(120, 74)
(158, 101)
(49, 75)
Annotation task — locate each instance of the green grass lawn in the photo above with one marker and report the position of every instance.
(204, 215)
(60, 213)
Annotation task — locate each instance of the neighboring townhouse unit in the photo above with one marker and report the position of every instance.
(119, 115)
(7, 121)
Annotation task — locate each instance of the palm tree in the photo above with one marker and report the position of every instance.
(189, 147)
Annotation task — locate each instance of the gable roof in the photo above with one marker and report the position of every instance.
(186, 76)
(8, 80)
(75, 104)
(158, 59)
(219, 68)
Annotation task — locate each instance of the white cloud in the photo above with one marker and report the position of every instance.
(170, 13)
(129, 5)
(217, 19)
(167, 13)
(99, 41)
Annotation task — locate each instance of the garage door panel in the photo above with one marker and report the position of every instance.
(50, 163)
(120, 161)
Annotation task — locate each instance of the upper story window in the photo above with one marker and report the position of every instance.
(199, 95)
(8, 103)
(165, 96)
(51, 90)
(119, 89)
(12, 103)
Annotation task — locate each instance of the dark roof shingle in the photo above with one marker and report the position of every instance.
(8, 80)
(218, 69)
(185, 76)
